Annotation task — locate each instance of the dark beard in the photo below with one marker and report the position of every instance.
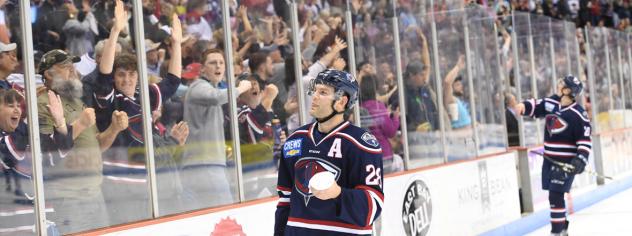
(68, 88)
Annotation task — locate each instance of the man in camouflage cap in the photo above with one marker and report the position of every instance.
(73, 183)
(54, 57)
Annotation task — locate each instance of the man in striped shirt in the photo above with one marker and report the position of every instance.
(566, 140)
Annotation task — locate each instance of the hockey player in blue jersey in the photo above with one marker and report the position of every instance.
(351, 154)
(566, 140)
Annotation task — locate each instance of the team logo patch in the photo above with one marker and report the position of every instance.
(555, 124)
(292, 148)
(370, 139)
(549, 106)
(305, 168)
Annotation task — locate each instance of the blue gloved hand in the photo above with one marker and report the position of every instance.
(579, 163)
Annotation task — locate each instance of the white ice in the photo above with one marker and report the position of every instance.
(609, 217)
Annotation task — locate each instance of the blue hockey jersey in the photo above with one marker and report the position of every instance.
(566, 130)
(354, 156)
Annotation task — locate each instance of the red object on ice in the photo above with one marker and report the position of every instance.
(228, 227)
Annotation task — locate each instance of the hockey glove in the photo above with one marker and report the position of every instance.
(579, 163)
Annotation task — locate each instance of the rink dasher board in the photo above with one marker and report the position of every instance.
(466, 198)
(477, 195)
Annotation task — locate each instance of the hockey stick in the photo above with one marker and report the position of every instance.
(570, 168)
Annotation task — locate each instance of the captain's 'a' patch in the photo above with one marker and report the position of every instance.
(370, 139)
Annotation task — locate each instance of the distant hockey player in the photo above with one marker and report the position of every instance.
(354, 200)
(566, 140)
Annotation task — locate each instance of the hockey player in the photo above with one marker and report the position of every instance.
(351, 154)
(566, 140)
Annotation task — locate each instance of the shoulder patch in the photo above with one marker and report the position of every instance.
(549, 106)
(585, 114)
(292, 147)
(370, 139)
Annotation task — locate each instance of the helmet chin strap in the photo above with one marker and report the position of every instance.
(333, 113)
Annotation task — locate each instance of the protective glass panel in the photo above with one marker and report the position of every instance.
(164, 45)
(454, 83)
(624, 66)
(262, 118)
(627, 80)
(570, 35)
(598, 42)
(102, 180)
(618, 114)
(522, 77)
(422, 108)
(541, 33)
(208, 174)
(116, 100)
(93, 183)
(562, 48)
(376, 73)
(488, 80)
(616, 61)
(17, 189)
(324, 46)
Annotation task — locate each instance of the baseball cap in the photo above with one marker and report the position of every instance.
(150, 45)
(7, 47)
(55, 56)
(192, 71)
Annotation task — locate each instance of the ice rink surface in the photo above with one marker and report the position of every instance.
(611, 216)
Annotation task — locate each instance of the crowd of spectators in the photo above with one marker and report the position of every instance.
(609, 13)
(89, 101)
